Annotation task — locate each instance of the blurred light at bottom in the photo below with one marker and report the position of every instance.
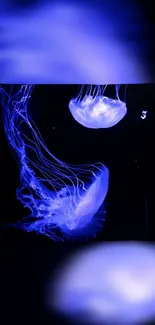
(112, 283)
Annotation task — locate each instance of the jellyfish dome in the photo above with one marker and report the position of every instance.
(94, 110)
(64, 200)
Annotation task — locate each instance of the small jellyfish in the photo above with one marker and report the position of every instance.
(65, 201)
(94, 110)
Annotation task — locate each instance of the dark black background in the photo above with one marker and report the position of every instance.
(127, 149)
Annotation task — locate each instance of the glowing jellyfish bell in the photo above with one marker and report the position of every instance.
(62, 198)
(94, 110)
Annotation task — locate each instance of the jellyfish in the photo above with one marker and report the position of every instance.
(94, 110)
(66, 201)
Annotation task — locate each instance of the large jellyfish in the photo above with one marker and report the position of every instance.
(94, 110)
(65, 200)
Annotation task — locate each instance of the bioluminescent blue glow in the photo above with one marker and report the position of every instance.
(60, 196)
(112, 283)
(74, 42)
(94, 110)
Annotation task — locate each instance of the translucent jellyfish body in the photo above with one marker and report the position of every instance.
(112, 283)
(62, 198)
(94, 110)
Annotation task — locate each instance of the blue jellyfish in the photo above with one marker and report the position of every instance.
(94, 110)
(65, 201)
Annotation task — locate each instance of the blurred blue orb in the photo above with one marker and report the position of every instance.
(112, 283)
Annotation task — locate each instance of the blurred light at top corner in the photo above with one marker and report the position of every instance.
(73, 42)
